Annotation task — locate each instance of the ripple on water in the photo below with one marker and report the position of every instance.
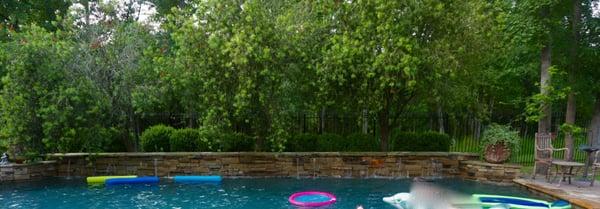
(231, 194)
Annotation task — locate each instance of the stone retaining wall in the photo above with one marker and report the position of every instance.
(24, 172)
(252, 164)
(488, 172)
(324, 164)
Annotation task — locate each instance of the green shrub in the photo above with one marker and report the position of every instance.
(361, 143)
(331, 143)
(156, 138)
(419, 142)
(302, 143)
(187, 140)
(235, 142)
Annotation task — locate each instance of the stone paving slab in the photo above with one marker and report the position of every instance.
(579, 193)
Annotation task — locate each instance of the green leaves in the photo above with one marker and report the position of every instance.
(252, 65)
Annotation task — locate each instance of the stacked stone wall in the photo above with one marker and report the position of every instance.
(488, 172)
(254, 164)
(249, 164)
(25, 172)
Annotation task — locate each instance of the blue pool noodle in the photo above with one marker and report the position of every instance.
(197, 179)
(138, 180)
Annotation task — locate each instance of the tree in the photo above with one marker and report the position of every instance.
(34, 71)
(242, 77)
(109, 55)
(164, 7)
(383, 54)
(16, 13)
(571, 102)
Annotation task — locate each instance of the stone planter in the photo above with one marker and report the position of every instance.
(497, 153)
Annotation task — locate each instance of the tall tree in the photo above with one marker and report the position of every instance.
(109, 55)
(16, 13)
(571, 103)
(34, 70)
(383, 54)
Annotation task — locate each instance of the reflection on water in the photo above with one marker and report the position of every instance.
(263, 193)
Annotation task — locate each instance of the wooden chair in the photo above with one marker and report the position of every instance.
(595, 166)
(543, 144)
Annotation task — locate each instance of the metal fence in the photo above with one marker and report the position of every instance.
(465, 129)
(526, 154)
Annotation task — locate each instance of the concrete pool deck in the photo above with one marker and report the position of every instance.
(579, 193)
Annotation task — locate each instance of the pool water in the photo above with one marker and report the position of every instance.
(256, 193)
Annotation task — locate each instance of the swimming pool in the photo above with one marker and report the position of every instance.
(254, 193)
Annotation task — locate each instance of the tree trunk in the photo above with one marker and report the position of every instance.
(570, 120)
(571, 104)
(86, 6)
(384, 122)
(365, 122)
(594, 128)
(384, 129)
(440, 118)
(546, 119)
(544, 124)
(322, 124)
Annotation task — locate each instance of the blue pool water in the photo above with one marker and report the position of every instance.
(261, 193)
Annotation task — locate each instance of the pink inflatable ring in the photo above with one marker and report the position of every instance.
(312, 199)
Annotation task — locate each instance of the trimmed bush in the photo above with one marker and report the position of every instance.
(302, 143)
(156, 138)
(235, 142)
(187, 140)
(361, 143)
(331, 143)
(420, 142)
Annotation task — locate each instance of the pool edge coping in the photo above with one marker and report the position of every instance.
(269, 154)
(557, 193)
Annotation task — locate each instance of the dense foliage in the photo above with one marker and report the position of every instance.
(425, 141)
(187, 140)
(237, 75)
(157, 138)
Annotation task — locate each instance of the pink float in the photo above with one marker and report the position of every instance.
(312, 199)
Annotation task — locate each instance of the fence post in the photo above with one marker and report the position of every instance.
(304, 123)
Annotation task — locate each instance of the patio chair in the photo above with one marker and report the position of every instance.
(595, 166)
(543, 144)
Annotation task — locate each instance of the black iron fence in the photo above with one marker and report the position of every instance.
(465, 129)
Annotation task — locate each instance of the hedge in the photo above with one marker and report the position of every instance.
(419, 142)
(164, 138)
(235, 142)
(302, 143)
(361, 143)
(188, 140)
(156, 138)
(330, 143)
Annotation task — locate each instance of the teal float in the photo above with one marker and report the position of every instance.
(197, 179)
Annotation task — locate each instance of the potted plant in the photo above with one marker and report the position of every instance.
(497, 143)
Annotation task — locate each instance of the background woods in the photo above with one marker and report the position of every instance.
(90, 76)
